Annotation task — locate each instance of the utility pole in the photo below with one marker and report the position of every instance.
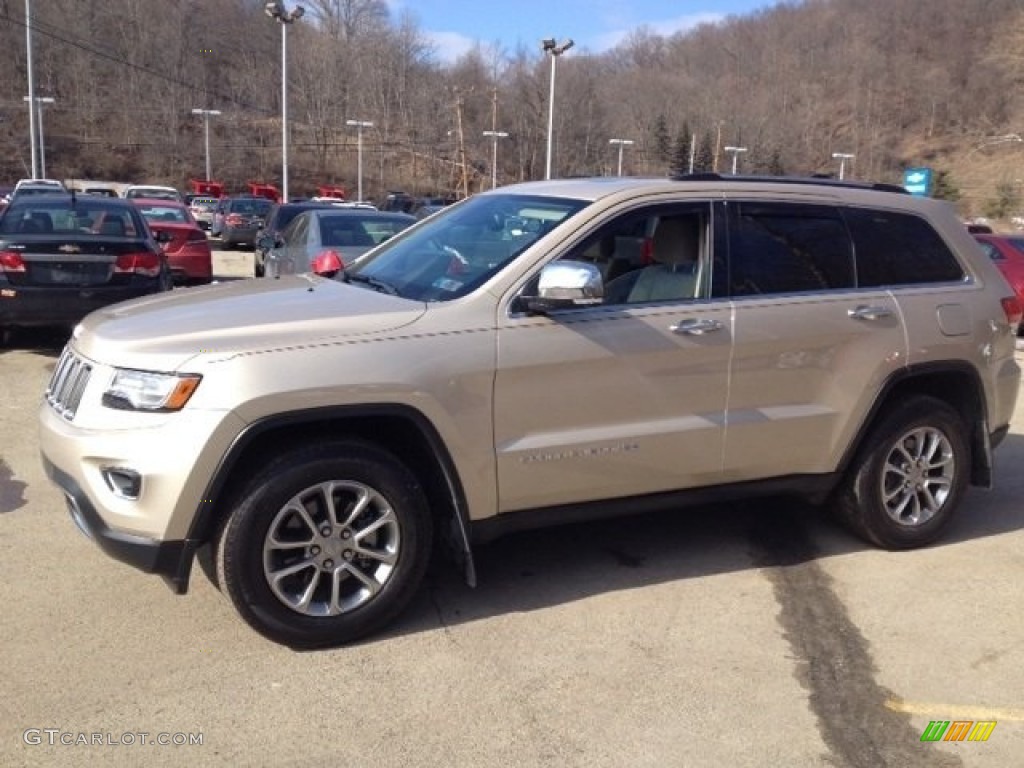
(464, 180)
(718, 146)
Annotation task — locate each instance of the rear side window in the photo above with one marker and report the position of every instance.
(899, 249)
(785, 248)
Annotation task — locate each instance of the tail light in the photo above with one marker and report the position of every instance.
(328, 263)
(11, 262)
(147, 264)
(233, 220)
(1011, 307)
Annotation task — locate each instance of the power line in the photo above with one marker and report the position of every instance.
(64, 37)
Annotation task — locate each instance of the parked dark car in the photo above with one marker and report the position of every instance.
(238, 219)
(280, 216)
(63, 256)
(343, 234)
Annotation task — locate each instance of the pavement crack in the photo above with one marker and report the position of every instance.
(833, 660)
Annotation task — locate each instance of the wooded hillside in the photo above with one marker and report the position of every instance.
(894, 82)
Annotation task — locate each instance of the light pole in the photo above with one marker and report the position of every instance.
(276, 10)
(207, 114)
(31, 88)
(39, 101)
(495, 135)
(842, 157)
(735, 152)
(622, 143)
(359, 125)
(551, 46)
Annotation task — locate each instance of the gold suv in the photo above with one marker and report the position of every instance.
(539, 353)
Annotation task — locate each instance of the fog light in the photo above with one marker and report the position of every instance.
(123, 483)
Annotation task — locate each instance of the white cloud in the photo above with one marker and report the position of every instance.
(450, 45)
(663, 28)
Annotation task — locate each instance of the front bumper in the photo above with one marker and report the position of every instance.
(170, 559)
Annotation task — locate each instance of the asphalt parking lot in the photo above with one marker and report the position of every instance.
(742, 635)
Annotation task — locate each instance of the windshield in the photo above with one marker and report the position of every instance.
(170, 214)
(88, 215)
(457, 250)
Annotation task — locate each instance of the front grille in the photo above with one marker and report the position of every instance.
(67, 384)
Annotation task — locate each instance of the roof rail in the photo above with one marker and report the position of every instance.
(817, 180)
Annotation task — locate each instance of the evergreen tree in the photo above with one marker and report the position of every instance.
(680, 162)
(944, 188)
(662, 142)
(704, 162)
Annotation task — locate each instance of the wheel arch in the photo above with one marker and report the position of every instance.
(953, 382)
(400, 429)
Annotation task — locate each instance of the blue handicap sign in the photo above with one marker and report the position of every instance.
(918, 181)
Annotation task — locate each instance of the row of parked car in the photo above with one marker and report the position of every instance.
(68, 232)
(65, 252)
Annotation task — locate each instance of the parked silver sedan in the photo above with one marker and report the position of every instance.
(340, 235)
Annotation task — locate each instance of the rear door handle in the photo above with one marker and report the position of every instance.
(693, 327)
(864, 312)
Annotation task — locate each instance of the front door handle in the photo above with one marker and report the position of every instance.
(692, 327)
(865, 312)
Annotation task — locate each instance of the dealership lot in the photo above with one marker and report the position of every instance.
(745, 635)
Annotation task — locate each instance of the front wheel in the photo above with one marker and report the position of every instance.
(909, 476)
(329, 544)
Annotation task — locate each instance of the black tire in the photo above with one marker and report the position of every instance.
(332, 568)
(923, 492)
(166, 278)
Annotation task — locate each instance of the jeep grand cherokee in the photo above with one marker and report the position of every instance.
(535, 354)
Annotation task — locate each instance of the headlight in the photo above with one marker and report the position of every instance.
(146, 391)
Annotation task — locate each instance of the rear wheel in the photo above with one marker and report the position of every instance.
(909, 477)
(328, 545)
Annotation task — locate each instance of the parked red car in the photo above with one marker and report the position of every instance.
(188, 250)
(1007, 251)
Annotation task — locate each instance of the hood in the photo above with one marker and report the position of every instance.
(163, 331)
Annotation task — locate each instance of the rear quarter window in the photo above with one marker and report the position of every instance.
(899, 249)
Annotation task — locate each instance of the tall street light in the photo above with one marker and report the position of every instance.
(551, 46)
(842, 157)
(207, 114)
(31, 88)
(735, 151)
(359, 125)
(40, 100)
(495, 135)
(276, 10)
(622, 143)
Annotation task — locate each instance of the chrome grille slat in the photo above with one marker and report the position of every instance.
(68, 383)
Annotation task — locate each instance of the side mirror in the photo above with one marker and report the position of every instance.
(566, 285)
(163, 236)
(327, 264)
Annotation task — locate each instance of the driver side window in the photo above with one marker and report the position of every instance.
(652, 256)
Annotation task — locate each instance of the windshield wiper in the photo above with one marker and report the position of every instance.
(373, 282)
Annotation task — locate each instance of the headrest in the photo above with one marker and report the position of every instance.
(677, 241)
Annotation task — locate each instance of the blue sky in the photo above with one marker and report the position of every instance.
(454, 26)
